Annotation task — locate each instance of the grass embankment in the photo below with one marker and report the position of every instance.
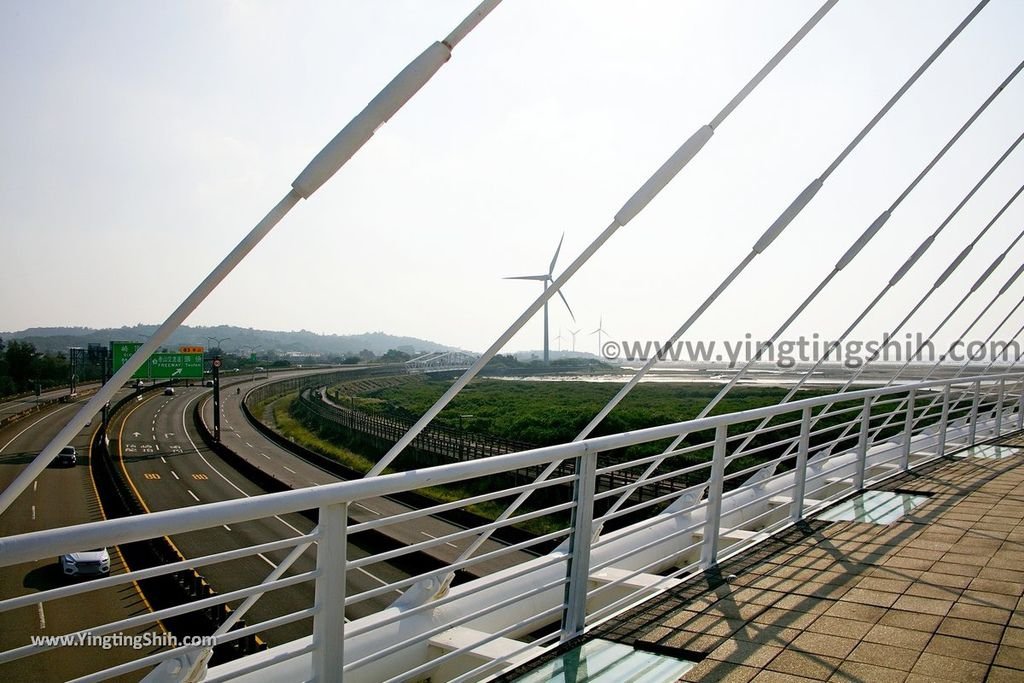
(288, 425)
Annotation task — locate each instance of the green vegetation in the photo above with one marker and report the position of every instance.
(23, 369)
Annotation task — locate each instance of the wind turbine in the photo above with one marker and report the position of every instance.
(546, 279)
(599, 331)
(559, 339)
(574, 333)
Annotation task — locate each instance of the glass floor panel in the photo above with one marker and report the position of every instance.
(990, 451)
(878, 507)
(607, 662)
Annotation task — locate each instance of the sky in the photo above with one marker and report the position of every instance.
(140, 141)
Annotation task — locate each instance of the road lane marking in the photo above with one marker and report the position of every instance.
(163, 459)
(33, 512)
(199, 475)
(372, 512)
(288, 468)
(435, 538)
(42, 617)
(151, 475)
(34, 485)
(184, 424)
(248, 444)
(175, 475)
(264, 558)
(226, 527)
(32, 425)
(193, 495)
(265, 456)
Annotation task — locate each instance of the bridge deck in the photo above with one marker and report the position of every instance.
(936, 595)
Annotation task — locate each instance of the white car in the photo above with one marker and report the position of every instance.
(86, 563)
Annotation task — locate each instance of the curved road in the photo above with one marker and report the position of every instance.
(248, 442)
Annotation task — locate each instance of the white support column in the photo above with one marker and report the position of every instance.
(796, 510)
(943, 421)
(908, 426)
(1020, 407)
(329, 621)
(973, 430)
(862, 444)
(999, 406)
(574, 610)
(712, 524)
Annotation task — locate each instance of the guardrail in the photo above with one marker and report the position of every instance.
(481, 627)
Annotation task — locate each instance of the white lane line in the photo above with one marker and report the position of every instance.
(288, 468)
(42, 617)
(435, 538)
(372, 512)
(184, 424)
(175, 474)
(34, 485)
(163, 459)
(226, 527)
(248, 444)
(264, 558)
(32, 425)
(193, 495)
(33, 512)
(265, 456)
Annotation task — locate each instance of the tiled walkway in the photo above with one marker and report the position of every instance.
(933, 596)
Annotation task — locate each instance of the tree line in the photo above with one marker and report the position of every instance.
(23, 369)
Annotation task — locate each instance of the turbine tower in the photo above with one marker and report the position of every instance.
(599, 331)
(574, 333)
(545, 279)
(559, 338)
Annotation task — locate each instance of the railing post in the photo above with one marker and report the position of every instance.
(973, 430)
(1020, 406)
(574, 610)
(999, 407)
(713, 521)
(796, 509)
(862, 444)
(943, 421)
(908, 426)
(329, 620)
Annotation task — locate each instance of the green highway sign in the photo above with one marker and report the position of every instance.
(121, 351)
(159, 365)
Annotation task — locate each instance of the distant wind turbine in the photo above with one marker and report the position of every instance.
(559, 339)
(574, 333)
(599, 331)
(546, 279)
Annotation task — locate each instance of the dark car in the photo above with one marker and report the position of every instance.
(67, 456)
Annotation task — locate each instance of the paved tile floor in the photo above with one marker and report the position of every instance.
(935, 596)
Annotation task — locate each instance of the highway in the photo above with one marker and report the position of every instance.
(248, 442)
(169, 467)
(25, 403)
(61, 496)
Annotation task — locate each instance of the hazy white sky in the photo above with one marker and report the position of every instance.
(141, 140)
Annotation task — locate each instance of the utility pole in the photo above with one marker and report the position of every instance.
(216, 398)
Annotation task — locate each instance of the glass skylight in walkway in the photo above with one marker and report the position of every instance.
(877, 507)
(989, 451)
(607, 662)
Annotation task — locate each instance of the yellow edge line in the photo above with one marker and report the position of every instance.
(117, 549)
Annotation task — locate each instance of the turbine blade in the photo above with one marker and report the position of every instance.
(542, 278)
(571, 314)
(554, 258)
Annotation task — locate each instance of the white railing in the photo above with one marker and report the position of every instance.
(743, 482)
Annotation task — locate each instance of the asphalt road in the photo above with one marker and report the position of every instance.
(20, 405)
(245, 440)
(169, 467)
(59, 497)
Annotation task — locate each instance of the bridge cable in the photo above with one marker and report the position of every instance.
(766, 239)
